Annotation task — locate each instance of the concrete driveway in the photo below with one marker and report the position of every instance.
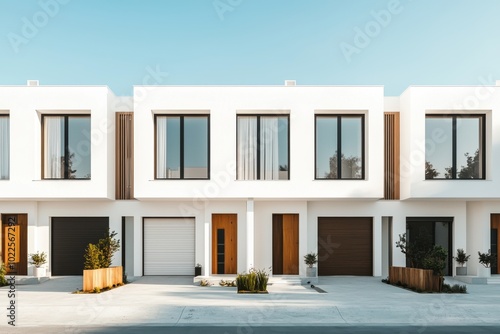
(174, 301)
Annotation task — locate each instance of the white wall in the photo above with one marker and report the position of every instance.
(223, 104)
(416, 102)
(26, 105)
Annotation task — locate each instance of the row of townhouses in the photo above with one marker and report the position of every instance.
(235, 177)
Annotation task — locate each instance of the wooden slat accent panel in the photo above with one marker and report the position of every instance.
(495, 223)
(20, 244)
(291, 244)
(345, 246)
(228, 222)
(277, 244)
(420, 279)
(124, 182)
(391, 155)
(102, 278)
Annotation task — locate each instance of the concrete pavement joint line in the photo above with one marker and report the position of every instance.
(180, 316)
(340, 314)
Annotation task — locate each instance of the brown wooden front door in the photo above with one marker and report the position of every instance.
(285, 244)
(345, 246)
(14, 243)
(224, 243)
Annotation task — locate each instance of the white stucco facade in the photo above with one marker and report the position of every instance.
(469, 203)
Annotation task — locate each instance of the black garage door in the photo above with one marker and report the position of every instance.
(70, 237)
(345, 246)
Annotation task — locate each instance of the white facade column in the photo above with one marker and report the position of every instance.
(377, 246)
(398, 227)
(138, 246)
(250, 235)
(206, 269)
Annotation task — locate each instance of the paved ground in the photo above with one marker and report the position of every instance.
(351, 305)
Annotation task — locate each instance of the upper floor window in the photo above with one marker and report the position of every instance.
(340, 147)
(262, 147)
(182, 147)
(454, 147)
(4, 147)
(66, 147)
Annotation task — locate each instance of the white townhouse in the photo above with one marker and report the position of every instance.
(236, 177)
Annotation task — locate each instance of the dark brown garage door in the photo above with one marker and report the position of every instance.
(345, 246)
(70, 237)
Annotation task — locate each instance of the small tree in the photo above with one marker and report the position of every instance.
(108, 246)
(92, 257)
(435, 260)
(101, 255)
(416, 250)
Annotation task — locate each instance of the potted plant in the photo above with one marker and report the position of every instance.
(38, 260)
(461, 259)
(197, 270)
(486, 259)
(311, 259)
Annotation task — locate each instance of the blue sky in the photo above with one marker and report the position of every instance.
(119, 43)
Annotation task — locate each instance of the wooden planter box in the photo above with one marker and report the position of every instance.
(420, 279)
(102, 278)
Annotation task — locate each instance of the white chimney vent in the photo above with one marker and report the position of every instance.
(33, 83)
(290, 83)
(498, 83)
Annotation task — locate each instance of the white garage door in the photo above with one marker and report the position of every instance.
(168, 246)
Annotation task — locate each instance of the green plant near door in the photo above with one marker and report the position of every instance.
(38, 259)
(461, 257)
(487, 259)
(311, 259)
(254, 282)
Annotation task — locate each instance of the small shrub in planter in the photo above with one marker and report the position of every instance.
(97, 261)
(311, 259)
(253, 282)
(461, 259)
(38, 259)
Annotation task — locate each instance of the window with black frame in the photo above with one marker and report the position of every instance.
(263, 147)
(182, 147)
(454, 147)
(340, 147)
(66, 146)
(4, 147)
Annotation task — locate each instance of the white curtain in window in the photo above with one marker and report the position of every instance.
(247, 148)
(4, 148)
(161, 147)
(53, 145)
(269, 157)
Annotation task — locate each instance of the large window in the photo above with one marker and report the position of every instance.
(454, 147)
(182, 147)
(262, 145)
(340, 147)
(4, 147)
(66, 147)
